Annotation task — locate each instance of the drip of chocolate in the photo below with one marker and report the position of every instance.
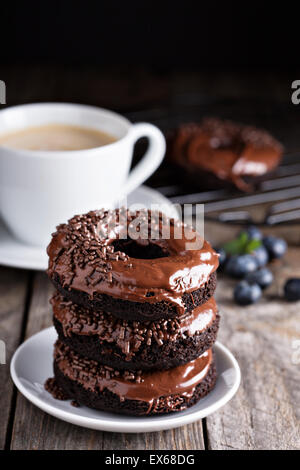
(142, 386)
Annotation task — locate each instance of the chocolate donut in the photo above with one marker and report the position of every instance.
(93, 265)
(131, 392)
(225, 151)
(134, 345)
(134, 312)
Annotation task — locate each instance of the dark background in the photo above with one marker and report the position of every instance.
(165, 62)
(163, 34)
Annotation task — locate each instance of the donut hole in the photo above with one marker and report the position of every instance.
(140, 249)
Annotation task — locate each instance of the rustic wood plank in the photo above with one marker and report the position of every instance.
(37, 430)
(34, 429)
(185, 438)
(265, 413)
(13, 287)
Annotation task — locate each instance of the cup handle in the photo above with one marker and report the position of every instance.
(152, 158)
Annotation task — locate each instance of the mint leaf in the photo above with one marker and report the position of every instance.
(253, 245)
(236, 246)
(241, 245)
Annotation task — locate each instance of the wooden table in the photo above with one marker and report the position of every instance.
(265, 413)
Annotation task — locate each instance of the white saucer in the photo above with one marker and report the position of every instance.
(17, 254)
(31, 365)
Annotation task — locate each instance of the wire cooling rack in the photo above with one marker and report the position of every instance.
(275, 201)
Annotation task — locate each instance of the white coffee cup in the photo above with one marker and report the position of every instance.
(40, 189)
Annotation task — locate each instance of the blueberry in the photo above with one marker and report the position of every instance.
(246, 293)
(240, 266)
(276, 247)
(261, 255)
(292, 289)
(253, 233)
(222, 257)
(263, 277)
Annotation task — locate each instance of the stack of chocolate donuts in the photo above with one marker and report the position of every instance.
(134, 312)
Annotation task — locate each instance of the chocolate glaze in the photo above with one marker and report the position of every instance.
(130, 335)
(145, 387)
(228, 150)
(82, 255)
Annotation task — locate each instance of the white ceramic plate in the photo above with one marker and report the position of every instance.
(17, 254)
(31, 365)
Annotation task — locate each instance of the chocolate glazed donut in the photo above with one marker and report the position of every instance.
(124, 344)
(131, 392)
(225, 151)
(142, 279)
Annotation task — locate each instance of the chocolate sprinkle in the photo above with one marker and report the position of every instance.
(55, 390)
(128, 335)
(88, 367)
(88, 235)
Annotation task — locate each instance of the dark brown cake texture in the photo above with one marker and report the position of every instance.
(224, 152)
(136, 318)
(132, 392)
(131, 344)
